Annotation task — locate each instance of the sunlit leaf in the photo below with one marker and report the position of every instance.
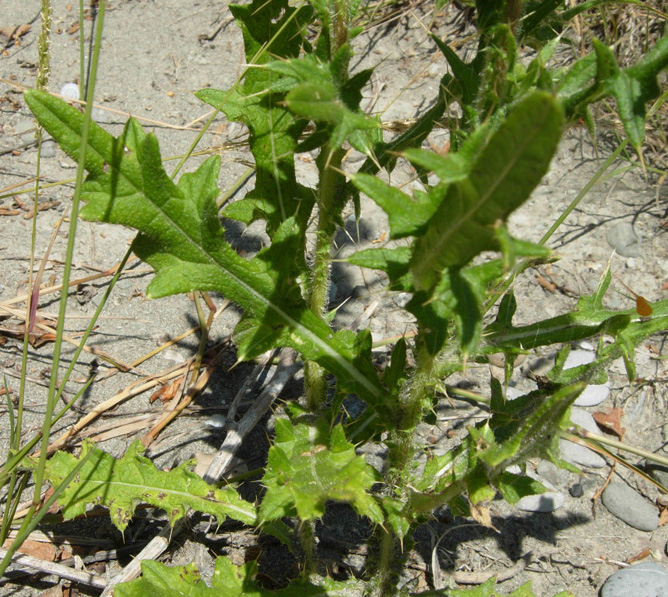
(122, 485)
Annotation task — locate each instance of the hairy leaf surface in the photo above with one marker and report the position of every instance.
(121, 485)
(307, 466)
(228, 581)
(181, 236)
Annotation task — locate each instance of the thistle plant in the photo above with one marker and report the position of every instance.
(298, 95)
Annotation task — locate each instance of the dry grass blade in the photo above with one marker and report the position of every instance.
(150, 436)
(134, 389)
(218, 466)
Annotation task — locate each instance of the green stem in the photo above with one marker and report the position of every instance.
(416, 399)
(74, 214)
(331, 196)
(387, 565)
(307, 540)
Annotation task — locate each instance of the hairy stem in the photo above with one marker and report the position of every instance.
(331, 197)
(307, 540)
(387, 565)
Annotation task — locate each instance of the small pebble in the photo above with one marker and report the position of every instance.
(624, 239)
(576, 490)
(577, 357)
(48, 148)
(592, 394)
(629, 506)
(544, 502)
(659, 472)
(402, 299)
(647, 579)
(216, 422)
(555, 476)
(576, 453)
(512, 393)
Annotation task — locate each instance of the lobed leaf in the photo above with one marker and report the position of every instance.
(228, 580)
(270, 30)
(121, 485)
(502, 177)
(308, 466)
(181, 237)
(408, 216)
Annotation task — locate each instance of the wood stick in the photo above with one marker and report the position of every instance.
(21, 561)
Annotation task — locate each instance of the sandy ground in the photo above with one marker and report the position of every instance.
(154, 56)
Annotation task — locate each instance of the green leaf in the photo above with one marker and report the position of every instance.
(449, 168)
(395, 374)
(121, 485)
(467, 75)
(270, 30)
(407, 215)
(308, 466)
(598, 75)
(533, 433)
(228, 581)
(315, 93)
(181, 236)
(486, 589)
(316, 101)
(457, 297)
(501, 179)
(394, 262)
(626, 327)
(515, 487)
(395, 516)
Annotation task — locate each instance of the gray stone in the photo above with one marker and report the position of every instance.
(592, 394)
(659, 472)
(576, 358)
(629, 506)
(576, 453)
(544, 502)
(48, 148)
(624, 239)
(557, 477)
(647, 579)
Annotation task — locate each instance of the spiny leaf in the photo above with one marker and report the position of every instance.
(515, 487)
(121, 485)
(534, 433)
(228, 581)
(181, 236)
(407, 215)
(394, 262)
(449, 168)
(597, 75)
(501, 179)
(316, 95)
(309, 465)
(270, 29)
(626, 327)
(467, 75)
